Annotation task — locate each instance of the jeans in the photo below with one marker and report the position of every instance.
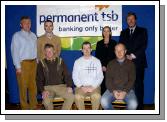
(108, 98)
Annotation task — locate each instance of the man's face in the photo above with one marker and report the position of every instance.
(131, 21)
(120, 52)
(48, 26)
(26, 24)
(49, 53)
(86, 50)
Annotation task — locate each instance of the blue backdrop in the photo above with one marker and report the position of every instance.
(146, 18)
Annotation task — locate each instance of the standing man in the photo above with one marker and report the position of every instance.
(87, 77)
(48, 38)
(135, 39)
(24, 54)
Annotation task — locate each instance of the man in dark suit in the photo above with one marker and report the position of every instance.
(135, 39)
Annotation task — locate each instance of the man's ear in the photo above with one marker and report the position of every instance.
(125, 51)
(20, 25)
(54, 51)
(82, 50)
(44, 27)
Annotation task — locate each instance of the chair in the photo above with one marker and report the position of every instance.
(58, 101)
(119, 105)
(88, 103)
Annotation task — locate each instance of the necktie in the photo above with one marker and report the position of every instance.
(131, 32)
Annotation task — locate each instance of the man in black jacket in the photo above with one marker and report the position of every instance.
(135, 39)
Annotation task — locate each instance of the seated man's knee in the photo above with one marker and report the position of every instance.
(47, 99)
(132, 104)
(96, 96)
(71, 96)
(78, 97)
(104, 102)
(47, 102)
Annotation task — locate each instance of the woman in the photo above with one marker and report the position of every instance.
(105, 51)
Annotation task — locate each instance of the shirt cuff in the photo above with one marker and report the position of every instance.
(133, 56)
(18, 66)
(95, 85)
(78, 85)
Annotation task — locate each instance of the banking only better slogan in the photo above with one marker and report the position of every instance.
(76, 24)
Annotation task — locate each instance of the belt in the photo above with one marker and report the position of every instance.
(29, 60)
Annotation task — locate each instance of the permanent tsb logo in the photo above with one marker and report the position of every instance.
(76, 20)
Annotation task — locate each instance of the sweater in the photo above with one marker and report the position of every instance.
(87, 72)
(42, 40)
(120, 76)
(52, 73)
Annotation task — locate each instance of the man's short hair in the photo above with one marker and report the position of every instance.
(132, 14)
(120, 44)
(86, 43)
(48, 21)
(24, 17)
(48, 46)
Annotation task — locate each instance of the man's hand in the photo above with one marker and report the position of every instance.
(84, 89)
(119, 95)
(69, 90)
(122, 95)
(45, 94)
(18, 71)
(104, 69)
(116, 94)
(90, 89)
(133, 56)
(37, 60)
(129, 57)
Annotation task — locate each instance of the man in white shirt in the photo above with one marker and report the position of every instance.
(24, 54)
(87, 76)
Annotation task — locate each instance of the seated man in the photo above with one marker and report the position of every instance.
(53, 79)
(87, 76)
(120, 78)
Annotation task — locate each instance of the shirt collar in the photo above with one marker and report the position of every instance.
(120, 61)
(87, 58)
(49, 35)
(25, 32)
(50, 59)
(133, 28)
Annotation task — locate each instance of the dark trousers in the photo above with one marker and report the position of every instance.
(139, 87)
(103, 85)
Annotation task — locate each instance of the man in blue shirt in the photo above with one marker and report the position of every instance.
(24, 54)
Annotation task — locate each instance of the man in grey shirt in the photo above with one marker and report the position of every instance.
(24, 53)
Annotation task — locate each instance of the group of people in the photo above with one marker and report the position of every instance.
(116, 72)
